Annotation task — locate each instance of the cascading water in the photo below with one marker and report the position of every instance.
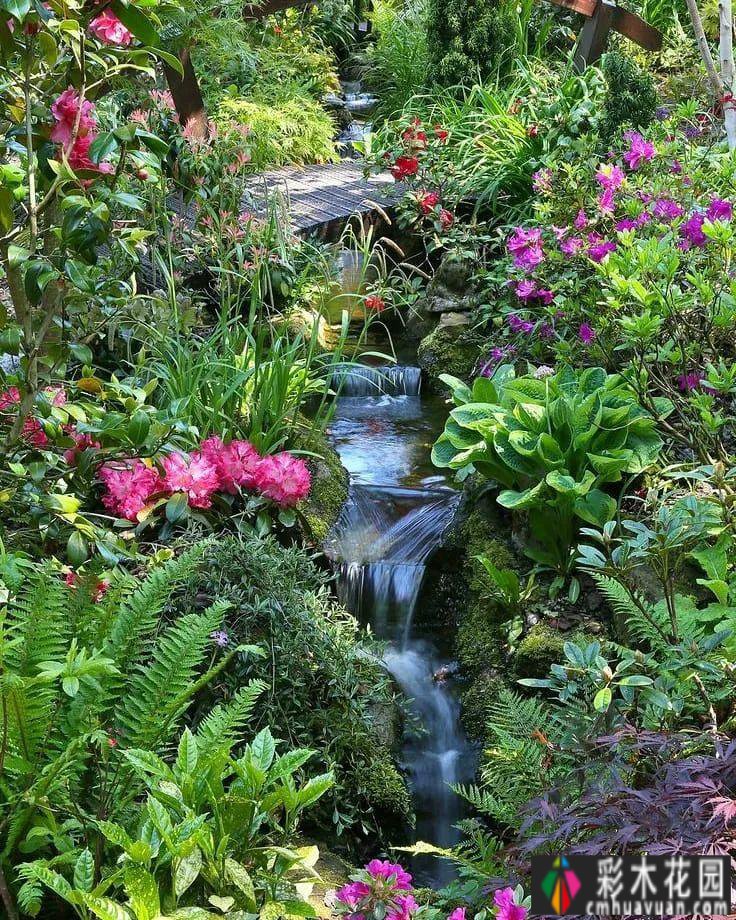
(397, 512)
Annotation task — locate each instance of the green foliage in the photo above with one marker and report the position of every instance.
(631, 96)
(285, 130)
(328, 693)
(470, 39)
(552, 443)
(396, 65)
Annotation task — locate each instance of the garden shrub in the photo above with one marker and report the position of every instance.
(283, 129)
(469, 39)
(323, 684)
(631, 96)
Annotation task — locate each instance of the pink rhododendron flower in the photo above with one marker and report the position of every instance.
(586, 333)
(193, 474)
(610, 177)
(9, 397)
(508, 909)
(284, 479)
(383, 869)
(640, 150)
(719, 209)
(236, 463)
(32, 433)
(79, 156)
(130, 486)
(108, 28)
(404, 907)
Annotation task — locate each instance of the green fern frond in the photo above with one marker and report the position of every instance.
(618, 596)
(38, 618)
(156, 691)
(223, 727)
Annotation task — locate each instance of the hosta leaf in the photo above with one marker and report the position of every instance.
(470, 415)
(460, 390)
(595, 508)
(443, 452)
(518, 501)
(561, 482)
(461, 437)
(524, 443)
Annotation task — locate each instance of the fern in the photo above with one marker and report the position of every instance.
(157, 692)
(223, 726)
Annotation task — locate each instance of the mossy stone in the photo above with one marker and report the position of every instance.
(543, 646)
(387, 793)
(330, 483)
(451, 350)
(476, 701)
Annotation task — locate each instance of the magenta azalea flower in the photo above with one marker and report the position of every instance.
(283, 478)
(403, 907)
(352, 894)
(598, 250)
(719, 209)
(518, 324)
(457, 914)
(606, 201)
(581, 220)
(572, 246)
(610, 177)
(692, 230)
(384, 869)
(586, 333)
(626, 224)
(508, 909)
(526, 247)
(667, 210)
(640, 150)
(526, 289)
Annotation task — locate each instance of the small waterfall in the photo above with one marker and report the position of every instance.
(389, 380)
(381, 546)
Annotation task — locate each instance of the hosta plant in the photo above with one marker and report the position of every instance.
(553, 441)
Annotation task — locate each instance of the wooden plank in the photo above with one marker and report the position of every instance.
(594, 36)
(637, 30)
(586, 7)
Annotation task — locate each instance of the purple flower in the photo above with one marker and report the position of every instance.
(581, 220)
(526, 247)
(383, 869)
(695, 381)
(518, 324)
(546, 296)
(544, 370)
(719, 209)
(220, 637)
(691, 132)
(606, 201)
(662, 113)
(586, 333)
(692, 231)
(572, 246)
(404, 907)
(457, 914)
(546, 331)
(626, 224)
(599, 250)
(526, 289)
(542, 180)
(351, 895)
(676, 167)
(610, 177)
(640, 150)
(666, 210)
(643, 219)
(508, 909)
(560, 232)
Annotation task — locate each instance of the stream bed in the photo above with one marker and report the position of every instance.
(397, 512)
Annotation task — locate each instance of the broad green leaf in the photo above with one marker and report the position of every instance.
(602, 699)
(186, 758)
(186, 871)
(595, 508)
(242, 881)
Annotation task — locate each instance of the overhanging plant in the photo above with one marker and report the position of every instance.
(553, 441)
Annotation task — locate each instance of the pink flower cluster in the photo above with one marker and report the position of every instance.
(383, 892)
(32, 432)
(75, 130)
(526, 248)
(216, 467)
(108, 28)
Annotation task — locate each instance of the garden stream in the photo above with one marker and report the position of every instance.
(398, 509)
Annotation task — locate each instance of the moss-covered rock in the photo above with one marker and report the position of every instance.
(543, 646)
(330, 483)
(475, 703)
(387, 795)
(452, 350)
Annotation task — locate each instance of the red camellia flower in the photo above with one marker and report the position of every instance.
(447, 218)
(376, 303)
(428, 201)
(404, 168)
(441, 133)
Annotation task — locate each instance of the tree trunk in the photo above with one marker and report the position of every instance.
(727, 71)
(702, 40)
(187, 96)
